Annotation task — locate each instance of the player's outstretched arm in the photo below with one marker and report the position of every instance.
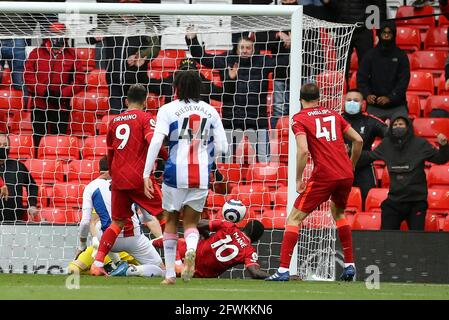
(357, 144)
(256, 273)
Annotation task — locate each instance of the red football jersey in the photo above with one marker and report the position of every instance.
(324, 129)
(224, 249)
(128, 138)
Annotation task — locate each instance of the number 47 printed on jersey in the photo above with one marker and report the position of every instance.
(322, 130)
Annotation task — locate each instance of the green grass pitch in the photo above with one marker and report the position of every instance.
(53, 287)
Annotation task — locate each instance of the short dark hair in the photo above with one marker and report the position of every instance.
(310, 92)
(137, 93)
(188, 85)
(254, 229)
(104, 165)
(355, 90)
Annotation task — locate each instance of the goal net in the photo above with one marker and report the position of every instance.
(65, 72)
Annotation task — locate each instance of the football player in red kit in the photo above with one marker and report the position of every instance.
(321, 132)
(128, 138)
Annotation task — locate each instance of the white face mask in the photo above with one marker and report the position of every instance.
(352, 107)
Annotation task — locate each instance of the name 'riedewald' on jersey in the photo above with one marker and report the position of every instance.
(195, 131)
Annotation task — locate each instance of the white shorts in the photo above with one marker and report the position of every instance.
(174, 199)
(139, 247)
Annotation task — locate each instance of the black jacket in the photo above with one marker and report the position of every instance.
(385, 72)
(368, 126)
(405, 160)
(16, 177)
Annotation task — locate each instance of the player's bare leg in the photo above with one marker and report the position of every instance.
(106, 242)
(345, 236)
(289, 241)
(170, 242)
(192, 236)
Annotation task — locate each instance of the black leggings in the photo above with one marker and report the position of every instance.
(393, 213)
(48, 122)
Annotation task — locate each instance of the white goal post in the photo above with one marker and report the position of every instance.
(326, 66)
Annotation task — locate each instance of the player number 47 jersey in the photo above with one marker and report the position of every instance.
(195, 132)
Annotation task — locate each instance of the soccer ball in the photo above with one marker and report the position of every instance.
(234, 211)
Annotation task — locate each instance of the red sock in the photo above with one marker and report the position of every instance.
(158, 243)
(345, 236)
(288, 244)
(107, 241)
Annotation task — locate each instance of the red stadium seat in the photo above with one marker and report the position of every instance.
(353, 81)
(429, 128)
(96, 80)
(245, 152)
(21, 147)
(280, 197)
(45, 171)
(232, 172)
(421, 83)
(86, 58)
(421, 23)
(94, 148)
(94, 101)
(442, 86)
(211, 75)
(59, 215)
(414, 106)
(82, 123)
(255, 197)
(438, 177)
(67, 195)
(83, 171)
(59, 148)
(429, 61)
(11, 99)
(272, 174)
(432, 102)
(354, 66)
(42, 199)
(438, 201)
(446, 224)
(102, 126)
(330, 82)
(167, 60)
(385, 178)
(275, 219)
(354, 201)
(20, 122)
(375, 198)
(408, 38)
(436, 39)
(367, 221)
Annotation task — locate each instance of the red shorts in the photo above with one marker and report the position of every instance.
(123, 199)
(318, 192)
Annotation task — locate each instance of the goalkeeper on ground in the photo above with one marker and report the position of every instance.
(97, 196)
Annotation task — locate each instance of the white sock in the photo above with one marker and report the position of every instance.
(146, 270)
(99, 264)
(115, 257)
(192, 236)
(282, 270)
(170, 257)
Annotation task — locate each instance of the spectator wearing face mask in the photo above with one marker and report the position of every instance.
(405, 155)
(16, 177)
(369, 128)
(384, 75)
(52, 76)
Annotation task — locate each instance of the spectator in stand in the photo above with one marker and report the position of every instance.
(320, 9)
(12, 51)
(16, 177)
(405, 155)
(165, 88)
(354, 11)
(245, 86)
(52, 76)
(384, 74)
(369, 128)
(127, 56)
